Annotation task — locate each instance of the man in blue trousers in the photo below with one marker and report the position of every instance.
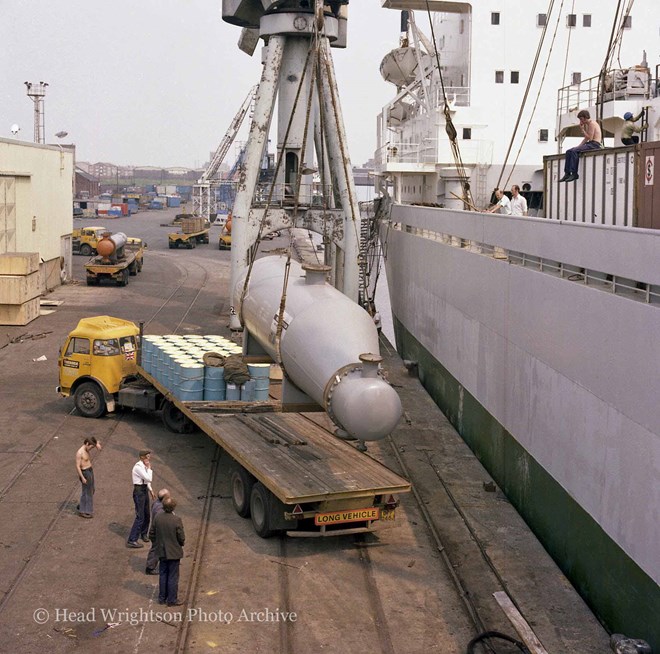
(591, 141)
(169, 539)
(142, 493)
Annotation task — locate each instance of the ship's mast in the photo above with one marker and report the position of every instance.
(313, 185)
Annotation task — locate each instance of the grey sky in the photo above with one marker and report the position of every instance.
(157, 82)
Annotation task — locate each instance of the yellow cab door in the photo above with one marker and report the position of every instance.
(75, 361)
(113, 359)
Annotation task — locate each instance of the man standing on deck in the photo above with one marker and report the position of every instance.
(518, 202)
(591, 141)
(142, 475)
(86, 476)
(503, 204)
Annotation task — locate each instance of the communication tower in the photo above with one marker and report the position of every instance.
(37, 92)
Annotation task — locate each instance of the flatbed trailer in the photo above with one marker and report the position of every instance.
(289, 474)
(179, 239)
(97, 270)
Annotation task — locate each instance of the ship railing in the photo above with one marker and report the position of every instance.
(432, 151)
(424, 152)
(457, 96)
(602, 280)
(633, 83)
(285, 195)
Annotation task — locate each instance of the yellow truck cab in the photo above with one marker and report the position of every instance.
(98, 355)
(84, 239)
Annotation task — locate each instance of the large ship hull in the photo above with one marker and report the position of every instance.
(550, 381)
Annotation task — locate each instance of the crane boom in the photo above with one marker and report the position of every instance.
(204, 192)
(219, 156)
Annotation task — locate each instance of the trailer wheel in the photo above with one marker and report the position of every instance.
(86, 250)
(241, 491)
(123, 280)
(260, 510)
(175, 420)
(89, 400)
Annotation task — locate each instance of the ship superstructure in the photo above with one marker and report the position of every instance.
(500, 70)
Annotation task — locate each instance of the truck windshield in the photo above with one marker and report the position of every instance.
(106, 348)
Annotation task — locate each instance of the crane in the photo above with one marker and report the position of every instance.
(204, 195)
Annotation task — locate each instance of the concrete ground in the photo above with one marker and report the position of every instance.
(69, 584)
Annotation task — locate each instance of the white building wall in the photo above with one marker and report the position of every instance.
(43, 201)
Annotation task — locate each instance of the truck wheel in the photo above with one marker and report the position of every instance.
(89, 400)
(140, 265)
(172, 245)
(92, 281)
(260, 510)
(86, 250)
(132, 269)
(176, 421)
(242, 483)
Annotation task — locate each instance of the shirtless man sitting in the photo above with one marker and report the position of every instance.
(86, 475)
(591, 141)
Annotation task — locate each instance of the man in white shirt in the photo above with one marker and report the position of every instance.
(518, 202)
(142, 476)
(503, 204)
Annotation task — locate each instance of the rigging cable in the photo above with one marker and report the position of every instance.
(538, 96)
(524, 100)
(568, 44)
(618, 18)
(255, 246)
(449, 125)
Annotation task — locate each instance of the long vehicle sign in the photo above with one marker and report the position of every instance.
(351, 515)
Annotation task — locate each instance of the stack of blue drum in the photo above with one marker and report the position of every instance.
(177, 362)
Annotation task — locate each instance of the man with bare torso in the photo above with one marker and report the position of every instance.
(86, 476)
(591, 141)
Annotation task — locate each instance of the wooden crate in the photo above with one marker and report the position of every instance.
(19, 263)
(18, 289)
(19, 314)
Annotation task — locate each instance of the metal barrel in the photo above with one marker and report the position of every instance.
(233, 392)
(247, 391)
(214, 383)
(191, 382)
(260, 373)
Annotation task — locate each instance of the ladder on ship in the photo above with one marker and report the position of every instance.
(371, 256)
(481, 191)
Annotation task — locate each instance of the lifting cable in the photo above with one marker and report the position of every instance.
(538, 95)
(568, 44)
(524, 100)
(617, 28)
(255, 245)
(449, 125)
(619, 41)
(313, 49)
(331, 83)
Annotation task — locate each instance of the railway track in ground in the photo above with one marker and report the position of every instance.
(354, 586)
(179, 295)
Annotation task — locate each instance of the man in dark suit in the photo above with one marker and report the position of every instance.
(156, 508)
(168, 536)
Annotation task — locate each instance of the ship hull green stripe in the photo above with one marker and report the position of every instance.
(621, 595)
